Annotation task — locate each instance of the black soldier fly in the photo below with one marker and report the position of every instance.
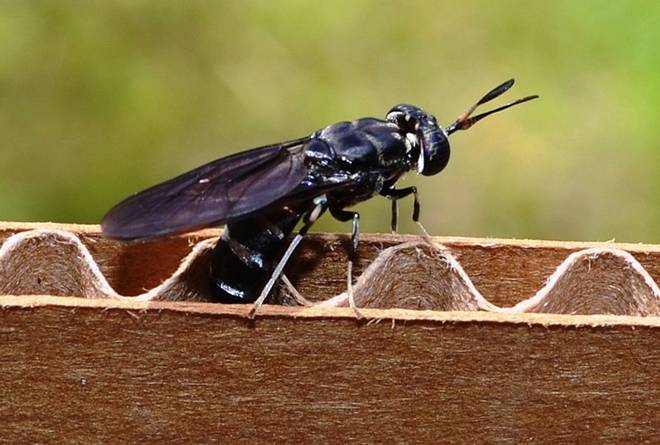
(262, 194)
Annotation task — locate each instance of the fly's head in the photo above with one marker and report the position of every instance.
(427, 143)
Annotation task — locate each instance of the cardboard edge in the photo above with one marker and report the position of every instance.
(449, 241)
(104, 290)
(8, 302)
(542, 294)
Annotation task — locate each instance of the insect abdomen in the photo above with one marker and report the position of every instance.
(248, 252)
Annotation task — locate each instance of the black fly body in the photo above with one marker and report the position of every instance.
(262, 195)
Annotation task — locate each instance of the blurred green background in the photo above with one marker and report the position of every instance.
(101, 99)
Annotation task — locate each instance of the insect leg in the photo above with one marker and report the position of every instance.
(394, 222)
(396, 194)
(302, 301)
(321, 204)
(343, 215)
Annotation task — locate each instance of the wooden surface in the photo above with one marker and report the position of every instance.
(89, 370)
(81, 371)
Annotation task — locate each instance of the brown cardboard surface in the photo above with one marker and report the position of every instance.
(473, 341)
(84, 370)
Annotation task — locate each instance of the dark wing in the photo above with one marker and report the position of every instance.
(211, 194)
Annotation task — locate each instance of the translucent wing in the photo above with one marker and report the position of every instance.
(211, 194)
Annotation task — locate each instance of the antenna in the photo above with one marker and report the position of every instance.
(464, 121)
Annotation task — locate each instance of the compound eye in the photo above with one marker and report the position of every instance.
(435, 152)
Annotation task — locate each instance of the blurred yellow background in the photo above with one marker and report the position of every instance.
(101, 99)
